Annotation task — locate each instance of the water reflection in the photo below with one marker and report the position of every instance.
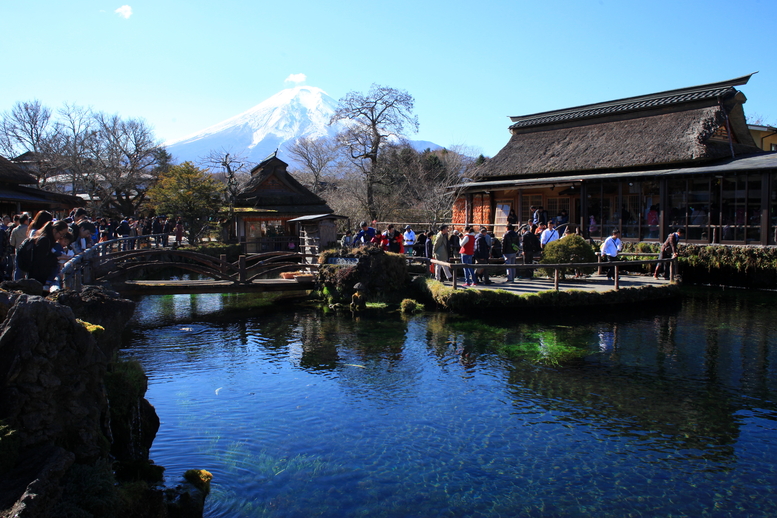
(298, 413)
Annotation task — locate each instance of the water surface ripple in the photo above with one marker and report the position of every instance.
(297, 414)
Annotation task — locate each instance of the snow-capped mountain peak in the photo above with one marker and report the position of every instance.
(293, 113)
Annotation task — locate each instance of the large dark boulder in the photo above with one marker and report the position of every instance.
(51, 395)
(51, 374)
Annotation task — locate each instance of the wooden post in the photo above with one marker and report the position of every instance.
(556, 276)
(617, 278)
(223, 265)
(242, 273)
(599, 260)
(455, 277)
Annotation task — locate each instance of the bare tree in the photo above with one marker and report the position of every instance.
(125, 155)
(234, 174)
(316, 156)
(373, 118)
(68, 149)
(26, 127)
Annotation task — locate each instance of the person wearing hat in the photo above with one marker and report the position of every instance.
(610, 248)
(409, 237)
(365, 235)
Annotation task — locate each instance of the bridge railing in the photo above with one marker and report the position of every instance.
(80, 269)
(100, 262)
(671, 263)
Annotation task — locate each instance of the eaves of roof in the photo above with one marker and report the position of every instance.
(760, 162)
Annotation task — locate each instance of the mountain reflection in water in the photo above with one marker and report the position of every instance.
(667, 411)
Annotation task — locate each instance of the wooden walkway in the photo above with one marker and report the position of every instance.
(593, 283)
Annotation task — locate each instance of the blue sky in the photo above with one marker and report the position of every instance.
(186, 65)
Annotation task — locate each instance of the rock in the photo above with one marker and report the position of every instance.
(101, 306)
(187, 500)
(37, 479)
(28, 286)
(51, 373)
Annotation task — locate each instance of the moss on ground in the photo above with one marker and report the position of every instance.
(495, 301)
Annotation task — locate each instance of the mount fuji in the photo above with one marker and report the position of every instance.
(302, 111)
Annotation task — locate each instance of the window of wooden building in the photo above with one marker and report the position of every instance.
(527, 200)
(500, 217)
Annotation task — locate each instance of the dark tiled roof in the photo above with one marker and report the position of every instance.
(656, 100)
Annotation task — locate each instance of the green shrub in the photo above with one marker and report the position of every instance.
(570, 249)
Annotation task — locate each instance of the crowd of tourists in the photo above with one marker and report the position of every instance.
(38, 247)
(520, 244)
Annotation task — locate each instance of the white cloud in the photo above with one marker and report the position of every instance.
(124, 11)
(296, 78)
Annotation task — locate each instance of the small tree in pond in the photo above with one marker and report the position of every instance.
(189, 192)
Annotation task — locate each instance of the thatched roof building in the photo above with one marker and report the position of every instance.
(644, 165)
(272, 188)
(264, 207)
(694, 124)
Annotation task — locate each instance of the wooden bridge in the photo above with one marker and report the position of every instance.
(115, 262)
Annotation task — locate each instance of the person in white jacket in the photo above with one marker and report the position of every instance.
(610, 248)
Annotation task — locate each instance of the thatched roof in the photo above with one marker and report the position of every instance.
(679, 126)
(12, 173)
(272, 187)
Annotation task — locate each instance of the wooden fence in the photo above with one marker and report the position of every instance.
(455, 267)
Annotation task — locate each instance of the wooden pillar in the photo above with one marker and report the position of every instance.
(663, 219)
(242, 272)
(582, 218)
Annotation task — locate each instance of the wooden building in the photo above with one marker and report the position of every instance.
(19, 192)
(264, 207)
(645, 165)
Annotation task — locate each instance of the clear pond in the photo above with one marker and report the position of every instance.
(664, 411)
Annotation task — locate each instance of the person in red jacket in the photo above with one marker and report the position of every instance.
(467, 252)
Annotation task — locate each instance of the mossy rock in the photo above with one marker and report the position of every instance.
(384, 275)
(199, 478)
(10, 442)
(410, 306)
(94, 329)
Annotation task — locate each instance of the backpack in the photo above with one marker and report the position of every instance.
(510, 243)
(496, 248)
(481, 247)
(24, 254)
